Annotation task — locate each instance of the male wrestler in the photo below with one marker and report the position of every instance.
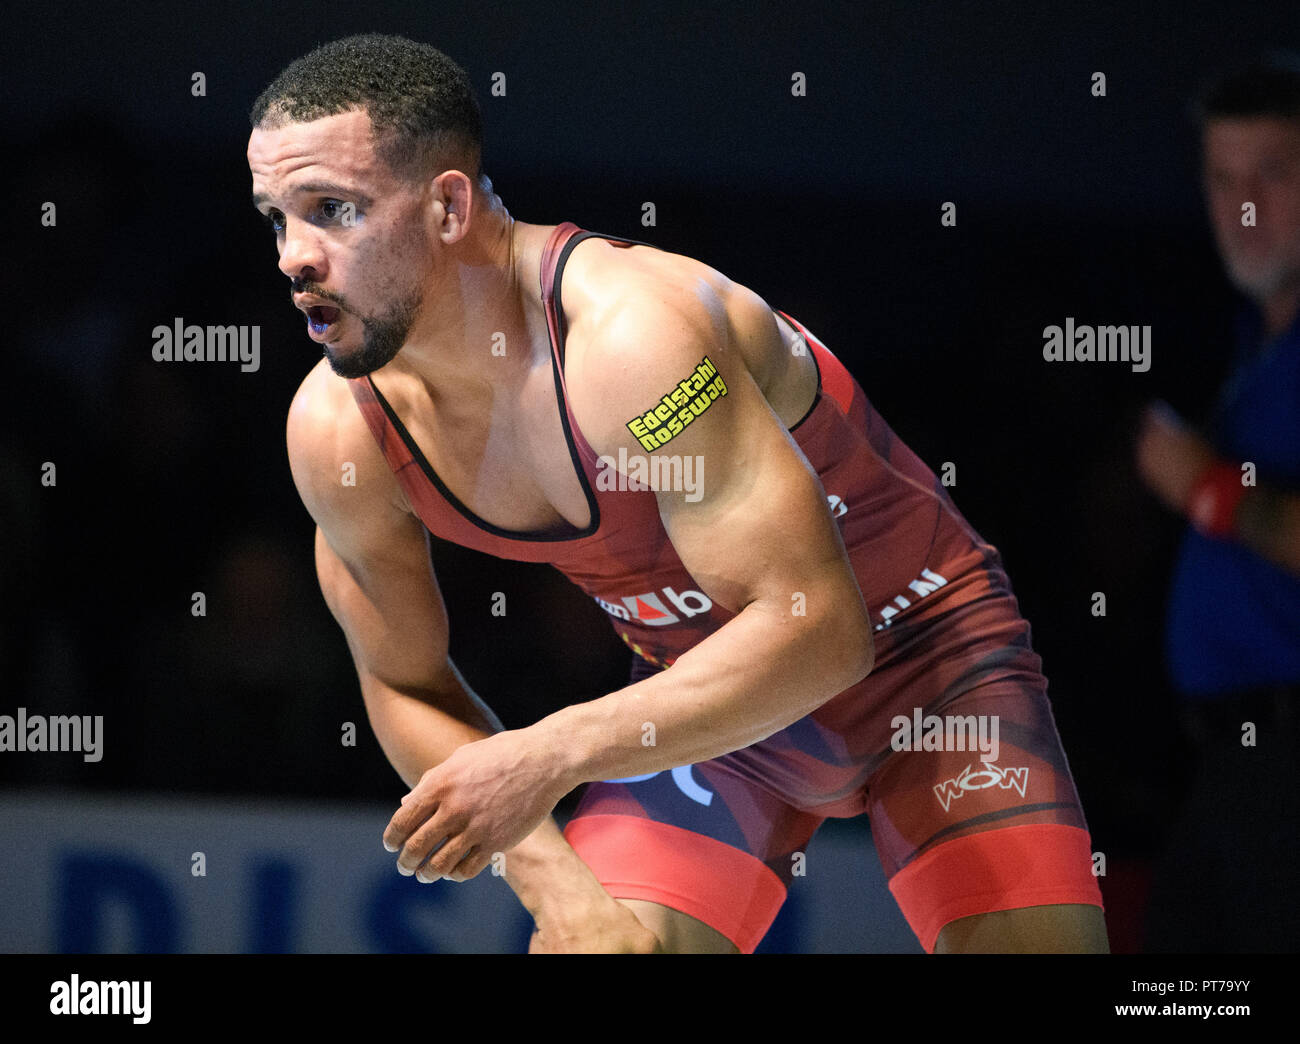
(484, 405)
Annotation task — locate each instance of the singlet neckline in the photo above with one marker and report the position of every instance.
(556, 337)
(556, 340)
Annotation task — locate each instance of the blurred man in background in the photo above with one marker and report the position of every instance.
(1233, 623)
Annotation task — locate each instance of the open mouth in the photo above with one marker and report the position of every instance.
(321, 317)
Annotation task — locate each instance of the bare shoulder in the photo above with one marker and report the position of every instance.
(643, 284)
(333, 455)
(641, 321)
(600, 277)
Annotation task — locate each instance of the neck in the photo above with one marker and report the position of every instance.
(1279, 310)
(473, 301)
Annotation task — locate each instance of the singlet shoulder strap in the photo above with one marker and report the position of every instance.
(554, 256)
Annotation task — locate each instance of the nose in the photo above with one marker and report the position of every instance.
(302, 255)
(1226, 199)
(1249, 188)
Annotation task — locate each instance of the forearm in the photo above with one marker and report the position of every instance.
(763, 670)
(419, 731)
(419, 728)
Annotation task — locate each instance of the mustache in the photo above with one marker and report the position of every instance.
(306, 286)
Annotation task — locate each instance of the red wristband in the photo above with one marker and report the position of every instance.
(1212, 507)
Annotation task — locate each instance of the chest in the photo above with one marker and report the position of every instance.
(504, 460)
(1261, 412)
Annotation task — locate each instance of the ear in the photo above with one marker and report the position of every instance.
(453, 202)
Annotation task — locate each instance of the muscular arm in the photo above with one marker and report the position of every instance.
(760, 542)
(372, 559)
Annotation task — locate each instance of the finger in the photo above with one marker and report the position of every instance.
(1151, 426)
(422, 844)
(443, 862)
(1161, 413)
(473, 864)
(415, 810)
(459, 867)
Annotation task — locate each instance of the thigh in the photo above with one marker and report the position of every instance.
(677, 931)
(990, 849)
(1061, 928)
(701, 854)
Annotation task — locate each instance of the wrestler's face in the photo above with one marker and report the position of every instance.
(1255, 161)
(350, 234)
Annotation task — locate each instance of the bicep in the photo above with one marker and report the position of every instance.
(756, 525)
(759, 526)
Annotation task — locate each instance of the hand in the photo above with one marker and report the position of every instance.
(483, 799)
(1171, 456)
(607, 926)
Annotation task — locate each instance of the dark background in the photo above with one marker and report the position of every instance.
(173, 478)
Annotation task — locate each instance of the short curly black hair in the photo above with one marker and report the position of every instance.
(421, 105)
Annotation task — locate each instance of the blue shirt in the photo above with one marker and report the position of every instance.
(1234, 617)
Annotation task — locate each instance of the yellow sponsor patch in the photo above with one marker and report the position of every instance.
(669, 417)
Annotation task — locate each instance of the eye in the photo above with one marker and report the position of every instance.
(331, 210)
(276, 221)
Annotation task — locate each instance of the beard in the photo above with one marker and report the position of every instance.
(1260, 281)
(1259, 274)
(382, 338)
